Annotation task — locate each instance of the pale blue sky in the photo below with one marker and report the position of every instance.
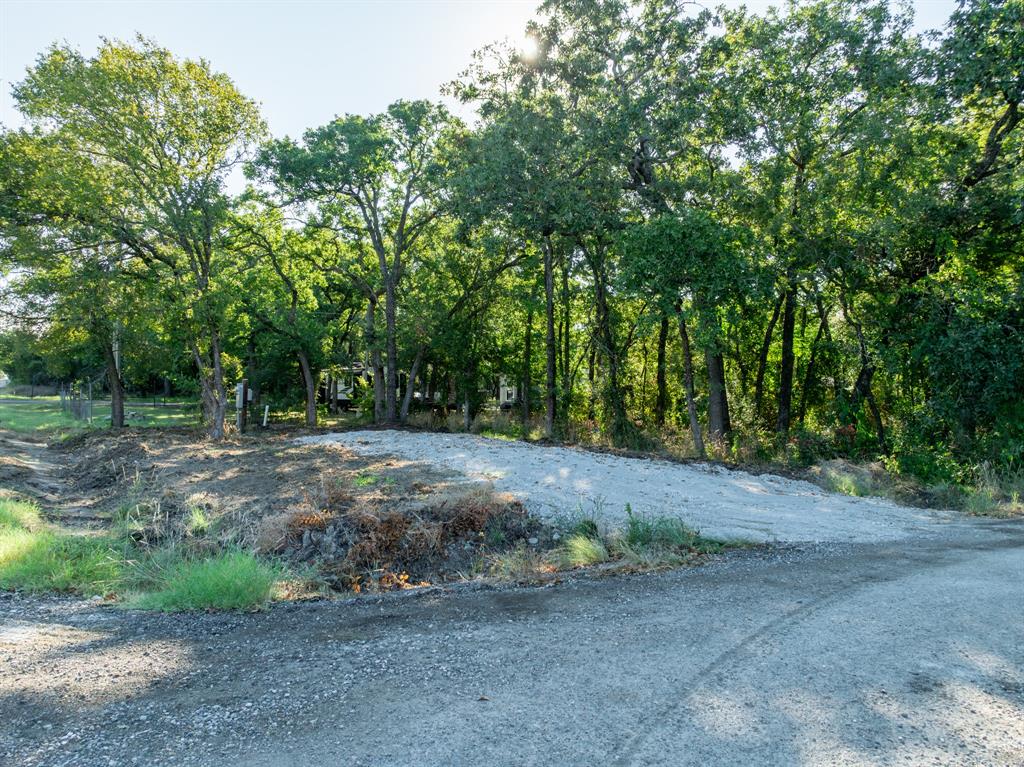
(305, 62)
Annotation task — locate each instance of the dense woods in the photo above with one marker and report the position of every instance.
(794, 233)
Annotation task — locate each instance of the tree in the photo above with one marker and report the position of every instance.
(376, 180)
(813, 86)
(138, 146)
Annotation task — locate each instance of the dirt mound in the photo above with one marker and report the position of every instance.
(379, 544)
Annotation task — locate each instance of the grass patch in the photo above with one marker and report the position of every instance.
(38, 416)
(234, 580)
(38, 557)
(583, 551)
(198, 522)
(519, 564)
(846, 478)
(646, 542)
(35, 558)
(366, 479)
(666, 533)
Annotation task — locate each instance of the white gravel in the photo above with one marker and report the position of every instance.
(555, 481)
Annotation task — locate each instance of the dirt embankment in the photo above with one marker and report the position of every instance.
(355, 522)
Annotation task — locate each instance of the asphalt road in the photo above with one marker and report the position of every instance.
(903, 653)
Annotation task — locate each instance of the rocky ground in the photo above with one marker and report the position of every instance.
(825, 654)
(720, 502)
(904, 647)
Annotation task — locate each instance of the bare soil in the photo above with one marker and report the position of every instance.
(360, 523)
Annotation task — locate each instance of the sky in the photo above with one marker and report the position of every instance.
(304, 61)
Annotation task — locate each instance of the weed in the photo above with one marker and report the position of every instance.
(996, 493)
(198, 522)
(637, 557)
(839, 476)
(586, 527)
(670, 533)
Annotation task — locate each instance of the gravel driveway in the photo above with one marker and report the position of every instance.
(825, 654)
(722, 503)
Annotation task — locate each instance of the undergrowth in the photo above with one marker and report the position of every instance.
(646, 542)
(36, 557)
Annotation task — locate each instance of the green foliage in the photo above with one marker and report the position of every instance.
(823, 206)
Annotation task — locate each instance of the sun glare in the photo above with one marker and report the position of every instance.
(529, 49)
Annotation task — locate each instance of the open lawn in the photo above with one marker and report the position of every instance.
(45, 416)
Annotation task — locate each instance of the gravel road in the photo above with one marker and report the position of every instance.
(722, 503)
(822, 654)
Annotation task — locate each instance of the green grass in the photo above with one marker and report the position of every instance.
(583, 551)
(36, 558)
(198, 521)
(669, 533)
(233, 580)
(36, 416)
(365, 480)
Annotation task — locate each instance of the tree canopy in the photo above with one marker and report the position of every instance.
(797, 230)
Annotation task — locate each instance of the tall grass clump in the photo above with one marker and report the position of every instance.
(234, 580)
(645, 531)
(584, 550)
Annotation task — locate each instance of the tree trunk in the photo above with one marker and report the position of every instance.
(391, 341)
(116, 389)
(762, 360)
(661, 404)
(431, 393)
(591, 376)
(549, 308)
(211, 381)
(809, 373)
(252, 372)
(413, 373)
(862, 393)
(524, 395)
(620, 426)
(691, 401)
(718, 400)
(566, 361)
(309, 382)
(786, 369)
(370, 332)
